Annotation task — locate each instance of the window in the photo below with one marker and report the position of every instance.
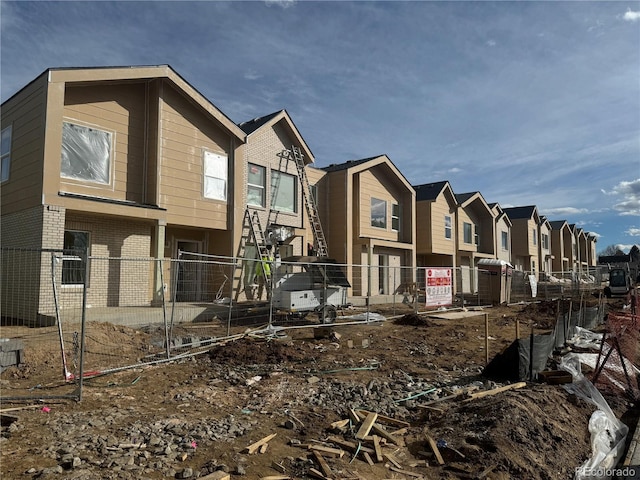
(255, 185)
(447, 227)
(395, 217)
(545, 241)
(284, 192)
(535, 237)
(215, 176)
(313, 190)
(505, 241)
(86, 154)
(378, 213)
(5, 163)
(476, 236)
(467, 232)
(76, 247)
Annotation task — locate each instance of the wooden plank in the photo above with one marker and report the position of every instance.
(487, 393)
(217, 475)
(368, 458)
(387, 420)
(406, 472)
(436, 450)
(376, 446)
(393, 460)
(270, 477)
(400, 431)
(334, 452)
(324, 466)
(463, 391)
(316, 473)
(365, 428)
(340, 424)
(351, 446)
(355, 417)
(381, 432)
(429, 407)
(253, 448)
(263, 447)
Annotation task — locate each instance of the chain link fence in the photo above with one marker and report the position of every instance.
(80, 316)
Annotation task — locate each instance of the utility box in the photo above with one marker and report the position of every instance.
(494, 281)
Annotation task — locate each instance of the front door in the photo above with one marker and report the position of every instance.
(188, 288)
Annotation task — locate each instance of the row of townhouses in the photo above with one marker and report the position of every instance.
(135, 162)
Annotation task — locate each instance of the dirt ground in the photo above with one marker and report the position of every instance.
(296, 387)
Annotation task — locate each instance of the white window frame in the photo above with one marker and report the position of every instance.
(65, 161)
(476, 235)
(379, 203)
(275, 195)
(505, 241)
(5, 159)
(215, 175)
(257, 186)
(395, 217)
(535, 236)
(447, 227)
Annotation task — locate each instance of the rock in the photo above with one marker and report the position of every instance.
(186, 473)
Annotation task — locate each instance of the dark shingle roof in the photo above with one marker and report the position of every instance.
(463, 197)
(348, 164)
(428, 191)
(251, 126)
(557, 224)
(520, 212)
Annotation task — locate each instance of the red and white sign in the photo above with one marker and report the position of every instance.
(438, 287)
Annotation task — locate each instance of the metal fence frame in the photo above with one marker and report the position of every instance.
(172, 308)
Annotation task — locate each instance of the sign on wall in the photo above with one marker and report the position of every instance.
(438, 287)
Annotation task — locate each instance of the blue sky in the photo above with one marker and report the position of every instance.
(527, 102)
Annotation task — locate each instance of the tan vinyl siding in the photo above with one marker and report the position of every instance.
(186, 133)
(336, 224)
(442, 245)
(25, 113)
(463, 217)
(424, 227)
(371, 185)
(119, 109)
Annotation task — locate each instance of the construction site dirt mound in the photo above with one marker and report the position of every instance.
(247, 351)
(199, 414)
(414, 319)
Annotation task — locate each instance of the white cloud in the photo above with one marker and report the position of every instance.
(631, 16)
(633, 232)
(623, 247)
(564, 211)
(491, 43)
(454, 170)
(252, 75)
(280, 3)
(630, 193)
(597, 235)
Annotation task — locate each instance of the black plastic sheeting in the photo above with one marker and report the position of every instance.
(526, 357)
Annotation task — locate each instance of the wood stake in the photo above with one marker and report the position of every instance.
(486, 339)
(487, 393)
(387, 420)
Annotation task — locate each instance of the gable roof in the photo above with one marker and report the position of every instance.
(361, 164)
(272, 119)
(251, 126)
(521, 212)
(463, 197)
(430, 191)
(335, 167)
(558, 224)
(87, 75)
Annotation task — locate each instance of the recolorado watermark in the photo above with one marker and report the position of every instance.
(599, 472)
